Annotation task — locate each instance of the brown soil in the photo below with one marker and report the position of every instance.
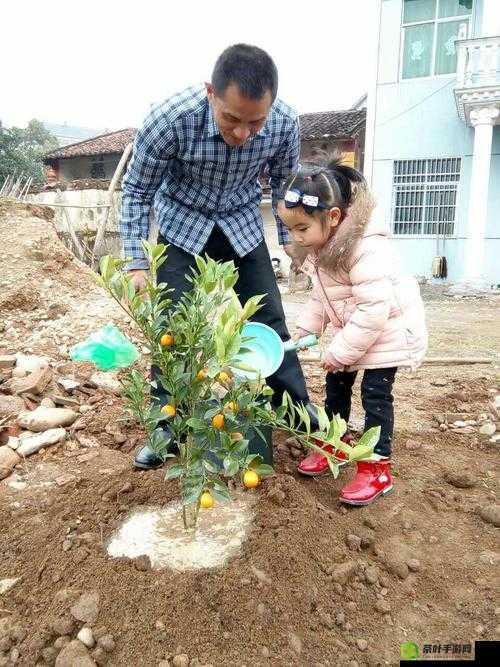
(281, 597)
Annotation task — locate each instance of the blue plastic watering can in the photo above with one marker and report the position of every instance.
(265, 351)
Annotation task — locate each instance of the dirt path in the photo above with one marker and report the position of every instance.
(316, 584)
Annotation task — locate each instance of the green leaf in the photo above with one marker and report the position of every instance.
(221, 493)
(323, 420)
(263, 470)
(196, 424)
(174, 471)
(210, 466)
(231, 466)
(370, 437)
(334, 468)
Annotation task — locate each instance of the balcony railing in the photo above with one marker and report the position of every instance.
(478, 74)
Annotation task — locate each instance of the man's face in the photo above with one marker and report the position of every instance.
(238, 118)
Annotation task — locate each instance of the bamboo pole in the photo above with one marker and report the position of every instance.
(74, 238)
(101, 230)
(430, 361)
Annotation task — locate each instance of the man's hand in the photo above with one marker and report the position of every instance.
(138, 279)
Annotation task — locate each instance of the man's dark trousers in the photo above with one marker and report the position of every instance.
(256, 276)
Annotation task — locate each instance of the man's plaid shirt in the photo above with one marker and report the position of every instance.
(195, 180)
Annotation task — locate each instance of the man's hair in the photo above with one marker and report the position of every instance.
(249, 68)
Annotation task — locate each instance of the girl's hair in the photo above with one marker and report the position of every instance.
(325, 177)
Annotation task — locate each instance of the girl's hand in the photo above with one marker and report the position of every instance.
(330, 364)
(300, 333)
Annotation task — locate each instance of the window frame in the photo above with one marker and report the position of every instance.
(422, 235)
(434, 21)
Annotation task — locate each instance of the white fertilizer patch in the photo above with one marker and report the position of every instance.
(160, 534)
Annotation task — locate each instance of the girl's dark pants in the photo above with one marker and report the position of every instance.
(376, 397)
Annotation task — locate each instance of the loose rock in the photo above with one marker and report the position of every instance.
(353, 542)
(414, 565)
(10, 405)
(371, 575)
(75, 654)
(181, 660)
(382, 606)
(362, 644)
(488, 429)
(490, 514)
(397, 567)
(64, 625)
(49, 655)
(343, 572)
(107, 643)
(35, 383)
(7, 584)
(8, 460)
(413, 445)
(106, 381)
(86, 637)
(142, 563)
(34, 443)
(42, 418)
(461, 480)
(86, 608)
(295, 643)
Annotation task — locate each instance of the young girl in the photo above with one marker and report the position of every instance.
(375, 311)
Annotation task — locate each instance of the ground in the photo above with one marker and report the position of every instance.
(316, 583)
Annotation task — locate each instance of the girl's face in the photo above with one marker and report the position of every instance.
(309, 231)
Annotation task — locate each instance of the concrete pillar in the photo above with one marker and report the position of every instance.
(482, 120)
(490, 23)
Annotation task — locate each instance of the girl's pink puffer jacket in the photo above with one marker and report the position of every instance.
(376, 311)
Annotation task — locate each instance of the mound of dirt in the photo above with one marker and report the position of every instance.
(48, 299)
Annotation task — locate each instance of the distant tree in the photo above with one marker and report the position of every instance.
(22, 149)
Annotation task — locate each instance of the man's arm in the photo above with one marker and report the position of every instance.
(154, 146)
(281, 165)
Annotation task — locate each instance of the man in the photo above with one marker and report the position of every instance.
(198, 157)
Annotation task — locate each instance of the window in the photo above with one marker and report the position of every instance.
(425, 196)
(430, 28)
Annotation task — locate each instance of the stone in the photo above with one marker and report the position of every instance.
(260, 575)
(142, 563)
(326, 620)
(18, 373)
(414, 565)
(61, 642)
(265, 652)
(362, 644)
(47, 403)
(7, 584)
(371, 575)
(439, 382)
(383, 606)
(181, 660)
(10, 405)
(8, 460)
(64, 625)
(74, 654)
(413, 445)
(42, 419)
(68, 384)
(86, 608)
(31, 363)
(86, 637)
(295, 643)
(461, 480)
(33, 443)
(459, 423)
(490, 514)
(49, 655)
(397, 567)
(488, 429)
(34, 383)
(107, 643)
(343, 572)
(107, 382)
(353, 542)
(339, 618)
(7, 360)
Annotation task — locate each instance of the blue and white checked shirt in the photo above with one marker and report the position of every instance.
(195, 180)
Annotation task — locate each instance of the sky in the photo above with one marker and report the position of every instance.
(101, 64)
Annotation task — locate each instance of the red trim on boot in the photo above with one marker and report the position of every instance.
(315, 464)
(372, 479)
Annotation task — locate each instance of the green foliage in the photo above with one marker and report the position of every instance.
(22, 149)
(206, 328)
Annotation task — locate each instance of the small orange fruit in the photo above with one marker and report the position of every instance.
(232, 406)
(218, 421)
(169, 410)
(201, 375)
(236, 436)
(250, 479)
(167, 340)
(206, 500)
(224, 377)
